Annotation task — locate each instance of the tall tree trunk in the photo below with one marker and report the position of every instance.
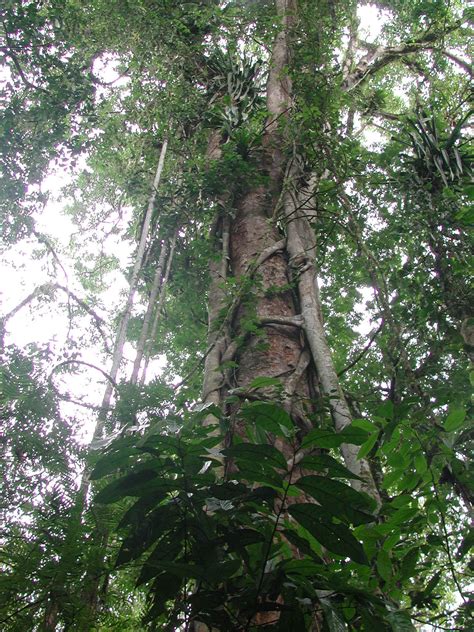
(291, 327)
(279, 288)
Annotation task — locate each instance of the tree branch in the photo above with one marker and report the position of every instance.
(360, 355)
(50, 287)
(84, 363)
(8, 52)
(460, 62)
(380, 56)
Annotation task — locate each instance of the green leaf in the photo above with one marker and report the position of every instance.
(402, 515)
(263, 453)
(455, 420)
(321, 439)
(292, 619)
(118, 456)
(466, 545)
(182, 569)
(421, 464)
(431, 585)
(131, 485)
(384, 565)
(337, 538)
(302, 544)
(135, 515)
(329, 439)
(263, 382)
(308, 568)
(158, 522)
(243, 537)
(269, 417)
(365, 424)
(408, 565)
(160, 442)
(338, 499)
(332, 616)
(321, 462)
(353, 435)
(166, 587)
(168, 548)
(386, 410)
(392, 540)
(368, 445)
(400, 621)
(202, 411)
(258, 472)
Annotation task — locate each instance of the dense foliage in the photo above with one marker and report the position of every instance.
(188, 513)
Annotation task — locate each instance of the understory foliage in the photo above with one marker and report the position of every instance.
(236, 508)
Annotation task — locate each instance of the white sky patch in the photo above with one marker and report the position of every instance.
(372, 20)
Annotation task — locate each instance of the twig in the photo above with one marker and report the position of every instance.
(8, 50)
(44, 289)
(84, 363)
(460, 62)
(270, 542)
(28, 605)
(360, 355)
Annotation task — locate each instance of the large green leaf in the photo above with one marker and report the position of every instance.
(259, 472)
(158, 522)
(455, 420)
(338, 499)
(243, 537)
(384, 565)
(329, 439)
(135, 515)
(292, 619)
(125, 486)
(270, 417)
(165, 588)
(324, 462)
(118, 455)
(336, 538)
(332, 616)
(265, 454)
(301, 544)
(408, 564)
(136, 484)
(169, 548)
(400, 621)
(306, 567)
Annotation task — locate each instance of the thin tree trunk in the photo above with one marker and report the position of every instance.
(216, 339)
(157, 280)
(159, 307)
(122, 333)
(92, 579)
(302, 250)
